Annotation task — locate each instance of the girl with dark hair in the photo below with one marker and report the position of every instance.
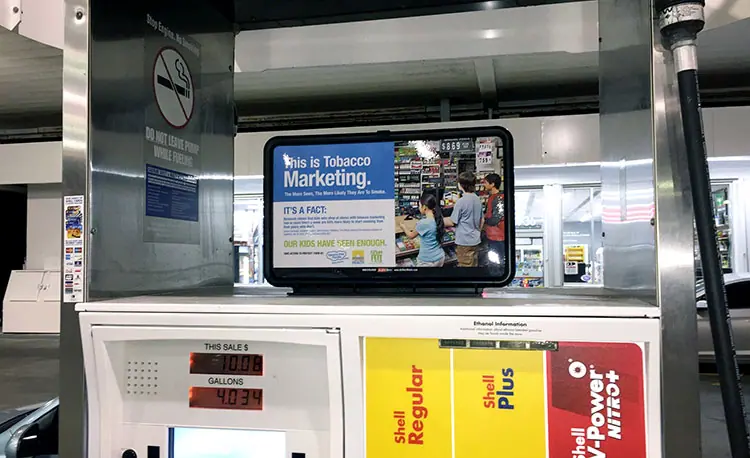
(430, 230)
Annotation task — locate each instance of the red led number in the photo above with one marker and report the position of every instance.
(226, 398)
(226, 364)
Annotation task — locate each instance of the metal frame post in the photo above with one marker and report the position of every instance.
(553, 248)
(646, 203)
(76, 179)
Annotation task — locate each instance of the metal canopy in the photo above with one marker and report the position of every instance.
(253, 14)
(378, 93)
(30, 82)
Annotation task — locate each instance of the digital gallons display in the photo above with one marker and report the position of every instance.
(226, 364)
(226, 398)
(409, 207)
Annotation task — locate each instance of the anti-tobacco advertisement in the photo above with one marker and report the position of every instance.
(334, 205)
(405, 205)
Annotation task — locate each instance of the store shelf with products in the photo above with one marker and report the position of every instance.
(248, 263)
(723, 223)
(408, 171)
(434, 167)
(723, 229)
(529, 238)
(529, 265)
(248, 239)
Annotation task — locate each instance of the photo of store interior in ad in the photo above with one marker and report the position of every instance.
(430, 173)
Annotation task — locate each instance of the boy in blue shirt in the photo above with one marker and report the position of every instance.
(467, 219)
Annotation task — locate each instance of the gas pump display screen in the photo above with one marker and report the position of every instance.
(226, 364)
(226, 443)
(414, 207)
(226, 398)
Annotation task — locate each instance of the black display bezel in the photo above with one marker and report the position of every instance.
(356, 277)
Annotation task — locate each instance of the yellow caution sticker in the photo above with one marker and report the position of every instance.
(407, 398)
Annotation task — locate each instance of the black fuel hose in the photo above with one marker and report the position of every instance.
(680, 22)
(713, 276)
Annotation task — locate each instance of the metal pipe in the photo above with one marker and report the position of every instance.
(680, 23)
(445, 110)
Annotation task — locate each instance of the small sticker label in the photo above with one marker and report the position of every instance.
(73, 235)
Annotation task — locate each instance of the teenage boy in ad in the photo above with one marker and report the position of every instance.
(467, 219)
(494, 220)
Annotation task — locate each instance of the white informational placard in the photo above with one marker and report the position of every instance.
(73, 247)
(485, 153)
(571, 268)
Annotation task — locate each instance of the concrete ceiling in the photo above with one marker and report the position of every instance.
(503, 59)
(501, 56)
(30, 81)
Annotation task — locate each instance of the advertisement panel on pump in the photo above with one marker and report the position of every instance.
(412, 208)
(423, 397)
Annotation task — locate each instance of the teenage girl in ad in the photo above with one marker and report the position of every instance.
(430, 229)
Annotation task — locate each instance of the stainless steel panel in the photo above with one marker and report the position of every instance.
(106, 91)
(730, 134)
(675, 267)
(626, 145)
(527, 140)
(709, 132)
(644, 176)
(123, 259)
(568, 139)
(75, 182)
(553, 235)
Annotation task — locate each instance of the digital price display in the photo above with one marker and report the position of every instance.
(226, 364)
(226, 398)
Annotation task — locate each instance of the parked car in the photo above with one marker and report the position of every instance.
(738, 301)
(30, 431)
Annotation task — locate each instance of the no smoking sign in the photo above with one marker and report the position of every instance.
(173, 88)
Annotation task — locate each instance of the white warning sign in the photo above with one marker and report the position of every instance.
(173, 88)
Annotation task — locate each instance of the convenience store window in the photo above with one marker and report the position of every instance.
(582, 236)
(720, 198)
(529, 215)
(248, 239)
(722, 219)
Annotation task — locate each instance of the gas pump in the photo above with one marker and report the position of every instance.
(408, 362)
(287, 377)
(374, 354)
